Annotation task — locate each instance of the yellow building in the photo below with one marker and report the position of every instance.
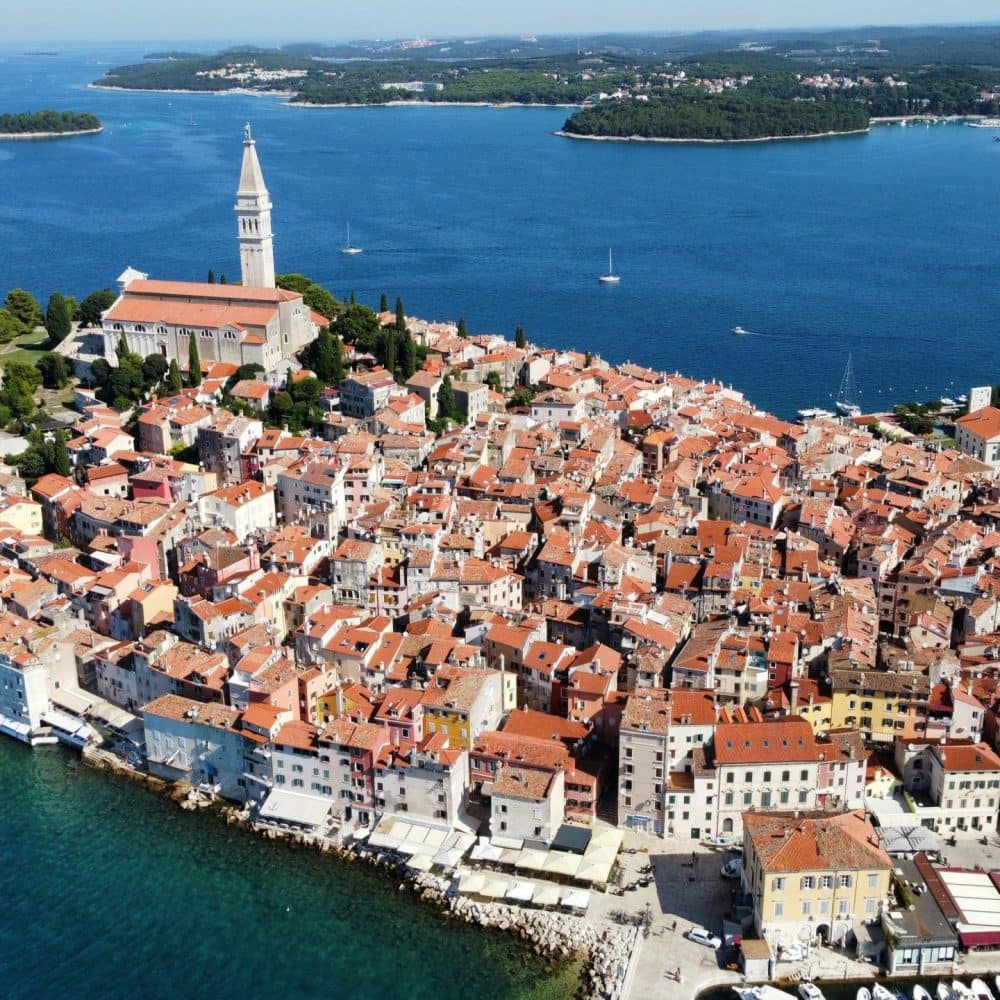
(21, 514)
(815, 875)
(881, 704)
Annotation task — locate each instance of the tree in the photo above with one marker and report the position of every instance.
(446, 399)
(20, 380)
(390, 355)
(493, 381)
(211, 277)
(154, 368)
(58, 318)
(174, 384)
(321, 301)
(463, 330)
(520, 340)
(24, 306)
(55, 370)
(247, 372)
(383, 303)
(323, 362)
(223, 280)
(194, 361)
(10, 326)
(60, 455)
(588, 359)
(400, 315)
(408, 357)
(94, 304)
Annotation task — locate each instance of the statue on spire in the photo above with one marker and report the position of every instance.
(247, 137)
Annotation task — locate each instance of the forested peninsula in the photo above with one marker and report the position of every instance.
(695, 115)
(48, 123)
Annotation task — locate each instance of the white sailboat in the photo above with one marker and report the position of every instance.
(610, 278)
(350, 248)
(847, 396)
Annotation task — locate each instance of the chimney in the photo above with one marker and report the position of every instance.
(793, 696)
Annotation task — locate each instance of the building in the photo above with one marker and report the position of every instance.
(978, 434)
(813, 875)
(364, 393)
(527, 804)
(252, 323)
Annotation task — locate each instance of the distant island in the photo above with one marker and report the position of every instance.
(715, 87)
(693, 115)
(48, 124)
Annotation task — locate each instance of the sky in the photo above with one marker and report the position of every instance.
(337, 20)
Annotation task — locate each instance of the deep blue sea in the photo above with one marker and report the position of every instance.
(111, 891)
(885, 245)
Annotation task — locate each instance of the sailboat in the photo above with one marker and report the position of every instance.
(350, 248)
(610, 278)
(846, 396)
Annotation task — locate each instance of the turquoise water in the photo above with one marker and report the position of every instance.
(109, 890)
(884, 245)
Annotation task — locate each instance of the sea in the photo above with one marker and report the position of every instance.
(881, 246)
(110, 890)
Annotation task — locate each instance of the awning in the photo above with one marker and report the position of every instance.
(449, 858)
(575, 899)
(547, 895)
(486, 852)
(531, 860)
(420, 862)
(361, 833)
(495, 888)
(593, 872)
(980, 939)
(472, 883)
(562, 863)
(293, 807)
(521, 891)
(507, 843)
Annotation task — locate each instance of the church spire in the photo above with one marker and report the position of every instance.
(253, 220)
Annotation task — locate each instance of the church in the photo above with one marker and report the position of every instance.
(251, 323)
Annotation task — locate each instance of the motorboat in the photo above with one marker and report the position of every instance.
(810, 991)
(960, 991)
(943, 993)
(863, 993)
(879, 992)
(919, 993)
(739, 331)
(981, 991)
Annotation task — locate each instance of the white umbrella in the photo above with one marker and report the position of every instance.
(495, 888)
(532, 860)
(472, 883)
(521, 891)
(420, 862)
(575, 899)
(546, 895)
(562, 863)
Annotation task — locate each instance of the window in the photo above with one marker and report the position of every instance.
(872, 881)
(826, 882)
(804, 775)
(824, 907)
(767, 776)
(729, 798)
(803, 796)
(779, 908)
(786, 775)
(870, 905)
(845, 882)
(808, 882)
(842, 906)
(807, 907)
(778, 884)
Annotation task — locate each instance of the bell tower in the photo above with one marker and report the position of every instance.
(253, 220)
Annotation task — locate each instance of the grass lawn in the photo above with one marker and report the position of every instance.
(28, 347)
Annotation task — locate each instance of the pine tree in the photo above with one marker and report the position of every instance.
(463, 330)
(390, 356)
(383, 303)
(588, 359)
(324, 356)
(520, 340)
(194, 361)
(408, 357)
(123, 351)
(446, 399)
(211, 276)
(174, 383)
(58, 321)
(223, 280)
(400, 315)
(352, 300)
(338, 361)
(60, 455)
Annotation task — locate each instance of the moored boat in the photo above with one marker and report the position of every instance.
(960, 991)
(810, 991)
(879, 992)
(863, 993)
(981, 991)
(919, 993)
(943, 993)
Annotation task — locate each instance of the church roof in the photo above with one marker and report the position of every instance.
(251, 176)
(231, 294)
(205, 315)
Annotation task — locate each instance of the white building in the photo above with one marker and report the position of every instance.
(27, 681)
(526, 804)
(978, 434)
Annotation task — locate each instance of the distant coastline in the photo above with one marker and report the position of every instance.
(717, 142)
(49, 135)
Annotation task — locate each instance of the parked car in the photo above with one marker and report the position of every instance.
(733, 868)
(701, 936)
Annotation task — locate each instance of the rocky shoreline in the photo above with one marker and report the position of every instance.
(559, 937)
(712, 142)
(13, 136)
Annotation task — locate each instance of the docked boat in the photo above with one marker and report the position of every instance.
(765, 992)
(879, 992)
(985, 123)
(960, 991)
(814, 413)
(846, 403)
(863, 993)
(810, 991)
(350, 248)
(919, 993)
(610, 278)
(981, 991)
(943, 993)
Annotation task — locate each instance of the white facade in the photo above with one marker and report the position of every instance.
(253, 220)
